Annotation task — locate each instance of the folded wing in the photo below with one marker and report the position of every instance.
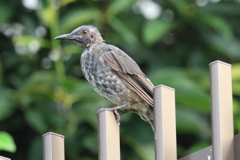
(129, 72)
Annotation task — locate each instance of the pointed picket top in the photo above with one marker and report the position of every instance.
(218, 61)
(161, 85)
(52, 134)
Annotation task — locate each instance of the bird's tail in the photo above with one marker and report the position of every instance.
(147, 114)
(152, 124)
(151, 117)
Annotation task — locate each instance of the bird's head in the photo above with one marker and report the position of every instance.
(84, 36)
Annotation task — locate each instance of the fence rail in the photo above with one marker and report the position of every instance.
(225, 146)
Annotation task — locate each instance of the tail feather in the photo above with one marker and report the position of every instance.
(147, 114)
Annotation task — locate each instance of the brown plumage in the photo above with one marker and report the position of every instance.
(113, 74)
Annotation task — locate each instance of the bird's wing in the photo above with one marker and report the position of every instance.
(129, 72)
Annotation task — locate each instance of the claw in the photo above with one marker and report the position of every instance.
(114, 110)
(116, 114)
(104, 109)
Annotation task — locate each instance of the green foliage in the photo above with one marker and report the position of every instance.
(42, 87)
(6, 105)
(156, 29)
(7, 142)
(189, 93)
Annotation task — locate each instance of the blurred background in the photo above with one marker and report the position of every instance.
(42, 88)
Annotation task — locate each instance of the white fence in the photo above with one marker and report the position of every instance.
(224, 145)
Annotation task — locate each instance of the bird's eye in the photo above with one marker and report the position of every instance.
(84, 32)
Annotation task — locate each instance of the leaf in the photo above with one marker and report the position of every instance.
(90, 142)
(236, 78)
(197, 146)
(66, 2)
(236, 72)
(237, 125)
(72, 49)
(25, 40)
(155, 29)
(226, 8)
(1, 74)
(35, 149)
(124, 32)
(189, 121)
(87, 110)
(117, 6)
(216, 22)
(5, 12)
(227, 47)
(188, 92)
(48, 15)
(236, 107)
(36, 119)
(40, 83)
(75, 18)
(6, 104)
(145, 152)
(7, 142)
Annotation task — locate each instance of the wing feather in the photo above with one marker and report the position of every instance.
(130, 73)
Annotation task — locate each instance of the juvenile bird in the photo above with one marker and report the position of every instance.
(113, 74)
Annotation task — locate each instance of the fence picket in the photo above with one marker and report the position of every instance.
(108, 136)
(164, 123)
(53, 146)
(222, 113)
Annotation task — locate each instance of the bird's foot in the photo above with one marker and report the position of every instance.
(114, 110)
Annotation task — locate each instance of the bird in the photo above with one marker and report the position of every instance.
(113, 74)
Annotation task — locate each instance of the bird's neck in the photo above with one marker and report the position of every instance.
(93, 45)
(92, 48)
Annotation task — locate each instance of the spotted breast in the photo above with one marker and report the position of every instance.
(104, 81)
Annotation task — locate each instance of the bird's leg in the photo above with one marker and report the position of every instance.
(114, 110)
(126, 110)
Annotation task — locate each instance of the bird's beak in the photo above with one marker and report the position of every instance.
(65, 37)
